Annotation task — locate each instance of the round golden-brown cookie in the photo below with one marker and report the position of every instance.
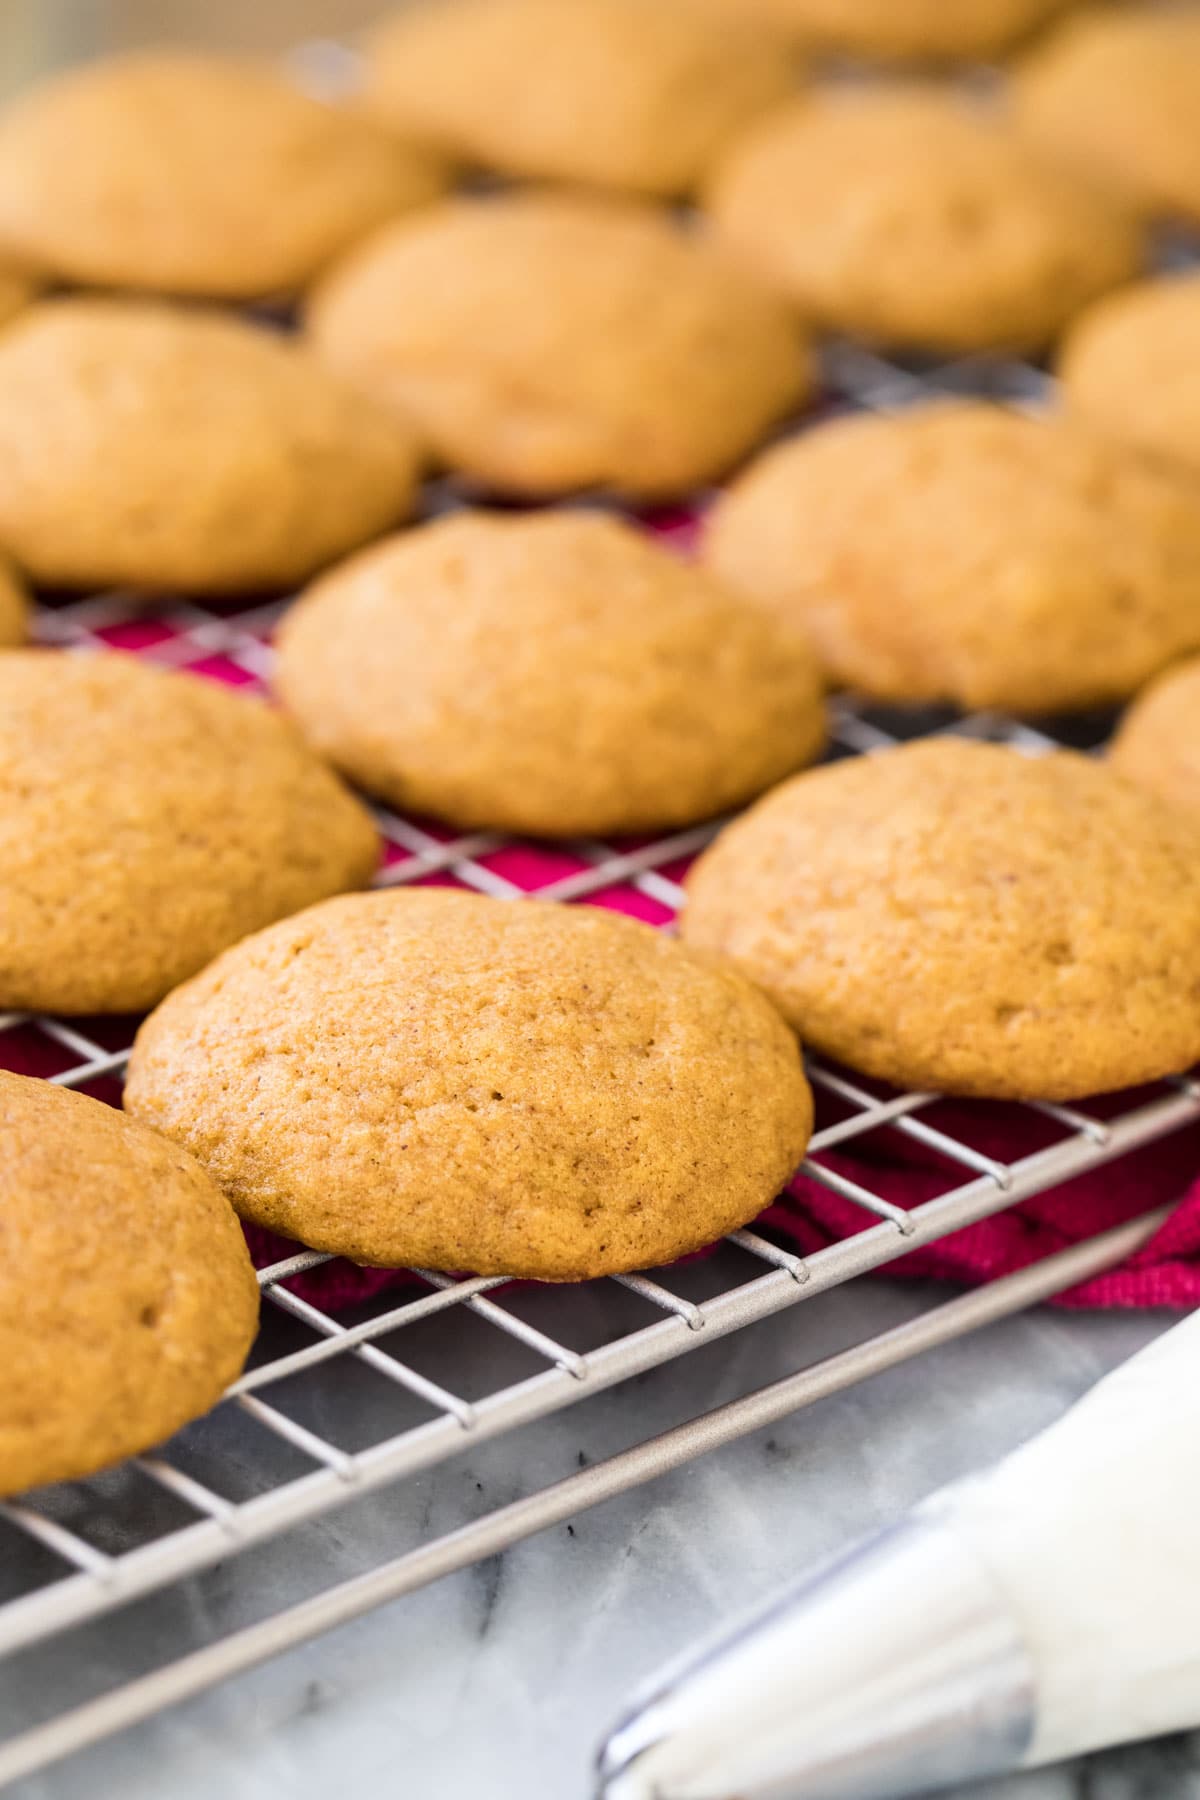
(151, 446)
(556, 674)
(14, 607)
(183, 173)
(147, 820)
(1117, 92)
(921, 31)
(438, 1079)
(964, 552)
(608, 93)
(908, 217)
(127, 1299)
(543, 343)
(957, 916)
(1130, 369)
(1158, 743)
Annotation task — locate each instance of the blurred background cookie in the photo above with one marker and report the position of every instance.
(147, 820)
(961, 918)
(184, 173)
(1117, 92)
(902, 30)
(1158, 743)
(127, 1299)
(434, 1079)
(542, 343)
(911, 218)
(151, 446)
(608, 93)
(964, 552)
(1130, 368)
(555, 673)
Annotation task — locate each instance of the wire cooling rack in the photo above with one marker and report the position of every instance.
(279, 1452)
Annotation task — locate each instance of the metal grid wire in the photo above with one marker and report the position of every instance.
(69, 1573)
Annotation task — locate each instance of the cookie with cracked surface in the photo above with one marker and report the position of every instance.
(908, 217)
(183, 173)
(153, 446)
(606, 93)
(904, 31)
(127, 1298)
(14, 607)
(147, 820)
(1158, 742)
(556, 674)
(970, 554)
(434, 1078)
(543, 343)
(1130, 369)
(1117, 93)
(959, 917)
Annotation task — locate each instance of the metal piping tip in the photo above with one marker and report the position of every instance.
(895, 1671)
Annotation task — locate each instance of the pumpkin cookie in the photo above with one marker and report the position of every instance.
(433, 1078)
(1130, 368)
(937, 31)
(608, 93)
(1118, 94)
(556, 674)
(908, 217)
(127, 1299)
(191, 174)
(14, 608)
(1158, 744)
(966, 553)
(151, 446)
(147, 820)
(957, 916)
(543, 343)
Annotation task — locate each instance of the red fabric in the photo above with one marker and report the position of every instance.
(1165, 1273)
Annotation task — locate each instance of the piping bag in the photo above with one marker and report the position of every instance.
(1046, 1607)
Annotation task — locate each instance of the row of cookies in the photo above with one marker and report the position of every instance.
(251, 189)
(592, 344)
(155, 448)
(558, 674)
(433, 1078)
(373, 1074)
(644, 99)
(601, 93)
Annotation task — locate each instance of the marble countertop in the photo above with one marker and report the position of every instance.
(496, 1684)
